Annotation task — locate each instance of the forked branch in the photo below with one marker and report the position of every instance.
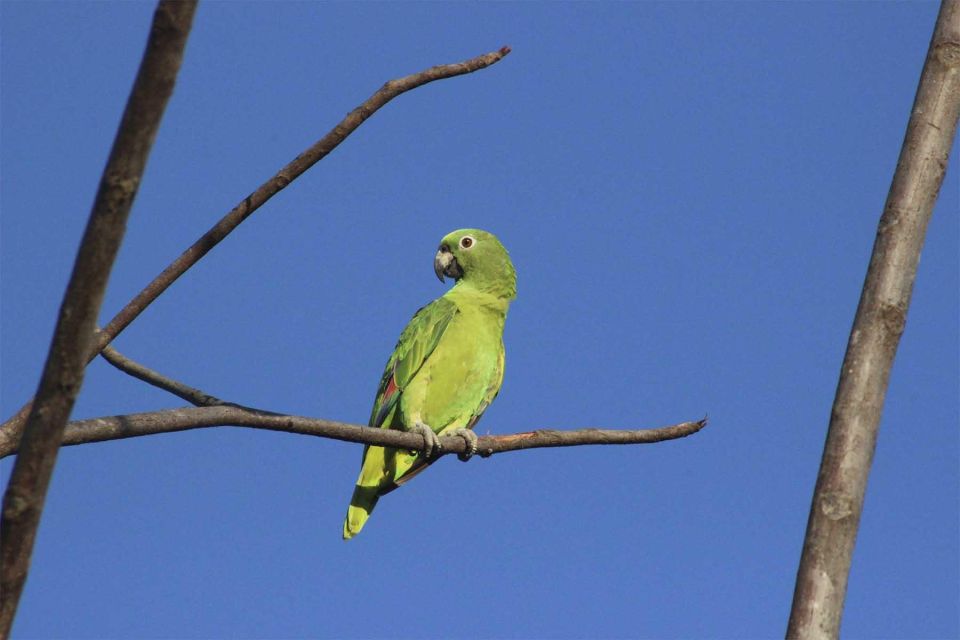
(129, 426)
(11, 429)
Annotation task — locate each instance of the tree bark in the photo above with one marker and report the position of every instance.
(73, 337)
(132, 368)
(173, 420)
(879, 322)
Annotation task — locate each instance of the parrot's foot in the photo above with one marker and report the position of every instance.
(470, 438)
(431, 442)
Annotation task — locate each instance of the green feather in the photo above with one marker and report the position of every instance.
(446, 369)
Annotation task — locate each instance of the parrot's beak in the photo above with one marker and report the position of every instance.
(446, 265)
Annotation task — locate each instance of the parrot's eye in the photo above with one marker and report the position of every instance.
(466, 242)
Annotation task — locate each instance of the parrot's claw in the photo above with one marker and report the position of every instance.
(470, 438)
(431, 442)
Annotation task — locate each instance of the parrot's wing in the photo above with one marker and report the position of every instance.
(491, 394)
(421, 463)
(415, 345)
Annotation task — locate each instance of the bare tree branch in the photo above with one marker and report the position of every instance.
(129, 426)
(172, 420)
(10, 430)
(881, 315)
(193, 396)
(70, 349)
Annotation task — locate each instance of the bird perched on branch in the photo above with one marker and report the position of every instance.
(446, 369)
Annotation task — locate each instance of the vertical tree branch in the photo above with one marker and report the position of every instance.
(73, 338)
(881, 315)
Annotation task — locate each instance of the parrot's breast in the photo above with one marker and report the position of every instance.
(460, 373)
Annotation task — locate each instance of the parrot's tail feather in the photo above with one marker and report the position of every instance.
(380, 467)
(361, 506)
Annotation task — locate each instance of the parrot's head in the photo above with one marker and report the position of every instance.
(476, 258)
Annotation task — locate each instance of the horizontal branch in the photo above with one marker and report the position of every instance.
(172, 420)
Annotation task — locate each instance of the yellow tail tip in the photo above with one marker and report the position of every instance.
(347, 531)
(353, 523)
(361, 505)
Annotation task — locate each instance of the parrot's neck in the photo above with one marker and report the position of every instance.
(492, 299)
(498, 281)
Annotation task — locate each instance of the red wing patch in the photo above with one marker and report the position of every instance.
(388, 399)
(390, 390)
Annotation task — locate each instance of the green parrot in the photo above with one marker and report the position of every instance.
(446, 369)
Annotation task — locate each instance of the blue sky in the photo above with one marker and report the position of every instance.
(689, 192)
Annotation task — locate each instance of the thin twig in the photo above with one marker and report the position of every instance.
(171, 420)
(194, 396)
(881, 315)
(10, 429)
(70, 349)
